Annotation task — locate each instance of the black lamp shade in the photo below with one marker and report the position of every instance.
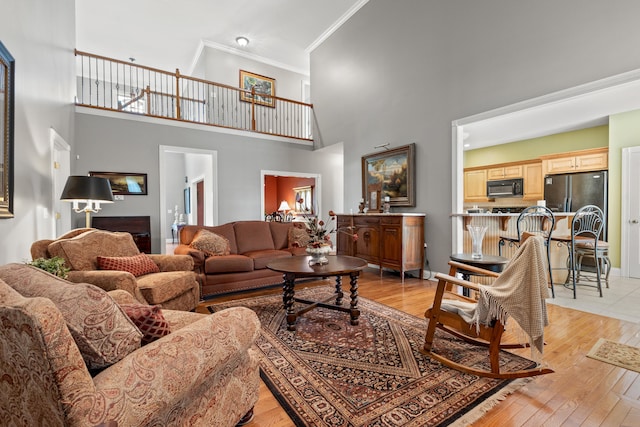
(87, 188)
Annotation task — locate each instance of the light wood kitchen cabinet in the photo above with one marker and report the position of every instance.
(506, 172)
(475, 185)
(393, 241)
(533, 181)
(577, 161)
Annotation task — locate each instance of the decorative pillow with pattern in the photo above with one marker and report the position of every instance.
(102, 331)
(298, 237)
(149, 319)
(210, 243)
(137, 265)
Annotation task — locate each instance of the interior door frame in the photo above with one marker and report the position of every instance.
(609, 84)
(212, 192)
(60, 170)
(625, 227)
(317, 190)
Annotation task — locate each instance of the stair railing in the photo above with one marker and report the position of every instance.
(110, 84)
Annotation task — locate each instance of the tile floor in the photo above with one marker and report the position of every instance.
(621, 300)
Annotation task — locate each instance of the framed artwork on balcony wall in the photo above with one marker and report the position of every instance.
(394, 171)
(7, 97)
(264, 89)
(124, 183)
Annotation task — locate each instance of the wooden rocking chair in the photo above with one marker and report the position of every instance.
(447, 317)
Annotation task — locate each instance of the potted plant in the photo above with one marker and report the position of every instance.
(53, 265)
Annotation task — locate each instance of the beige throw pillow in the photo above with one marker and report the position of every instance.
(210, 243)
(298, 237)
(102, 331)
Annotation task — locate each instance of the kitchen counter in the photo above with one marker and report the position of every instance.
(503, 218)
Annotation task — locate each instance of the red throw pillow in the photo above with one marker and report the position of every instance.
(149, 319)
(137, 265)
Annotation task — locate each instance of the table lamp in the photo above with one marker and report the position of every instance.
(90, 190)
(284, 207)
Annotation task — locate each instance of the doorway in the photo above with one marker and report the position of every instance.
(200, 163)
(570, 109)
(281, 186)
(60, 171)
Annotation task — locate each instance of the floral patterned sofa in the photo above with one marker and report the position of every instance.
(56, 334)
(111, 260)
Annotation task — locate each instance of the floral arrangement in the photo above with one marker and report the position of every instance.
(320, 232)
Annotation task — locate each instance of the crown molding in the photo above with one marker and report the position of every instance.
(344, 18)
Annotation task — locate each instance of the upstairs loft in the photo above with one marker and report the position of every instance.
(114, 85)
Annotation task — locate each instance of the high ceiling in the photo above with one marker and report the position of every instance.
(167, 34)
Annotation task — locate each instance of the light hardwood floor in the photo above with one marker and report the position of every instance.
(581, 392)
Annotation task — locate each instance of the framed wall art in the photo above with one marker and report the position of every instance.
(125, 184)
(7, 97)
(394, 171)
(264, 87)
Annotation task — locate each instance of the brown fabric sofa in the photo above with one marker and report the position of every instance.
(173, 287)
(253, 244)
(203, 373)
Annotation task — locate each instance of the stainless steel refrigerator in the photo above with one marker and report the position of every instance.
(570, 192)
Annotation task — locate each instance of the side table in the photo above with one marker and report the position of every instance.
(175, 231)
(488, 262)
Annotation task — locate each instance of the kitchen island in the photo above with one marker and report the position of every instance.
(505, 224)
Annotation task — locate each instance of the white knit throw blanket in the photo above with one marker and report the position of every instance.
(520, 292)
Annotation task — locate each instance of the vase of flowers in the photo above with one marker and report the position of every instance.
(318, 254)
(320, 244)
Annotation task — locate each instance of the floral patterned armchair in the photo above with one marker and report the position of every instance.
(204, 372)
(169, 282)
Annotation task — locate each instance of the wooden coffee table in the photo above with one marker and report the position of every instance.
(298, 267)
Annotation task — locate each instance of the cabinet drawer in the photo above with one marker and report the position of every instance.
(392, 220)
(366, 221)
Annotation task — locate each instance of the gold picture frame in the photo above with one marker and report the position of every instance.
(394, 171)
(125, 183)
(258, 89)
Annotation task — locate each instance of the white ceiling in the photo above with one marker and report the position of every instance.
(571, 109)
(168, 34)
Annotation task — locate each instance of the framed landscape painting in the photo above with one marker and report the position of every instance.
(123, 183)
(264, 87)
(394, 171)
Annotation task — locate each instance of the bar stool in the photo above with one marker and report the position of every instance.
(533, 220)
(586, 229)
(587, 251)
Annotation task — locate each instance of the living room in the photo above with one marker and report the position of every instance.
(390, 74)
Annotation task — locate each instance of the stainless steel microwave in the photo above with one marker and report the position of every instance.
(504, 188)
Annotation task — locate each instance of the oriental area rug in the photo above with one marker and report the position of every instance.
(615, 353)
(331, 373)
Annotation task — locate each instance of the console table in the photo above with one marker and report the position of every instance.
(393, 240)
(138, 226)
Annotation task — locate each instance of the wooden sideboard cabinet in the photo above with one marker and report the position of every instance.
(394, 241)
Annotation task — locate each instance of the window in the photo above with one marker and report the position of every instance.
(304, 199)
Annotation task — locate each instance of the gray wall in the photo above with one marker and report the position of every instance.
(40, 34)
(401, 72)
(129, 145)
(223, 67)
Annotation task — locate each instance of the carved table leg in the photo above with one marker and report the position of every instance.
(287, 299)
(339, 294)
(355, 313)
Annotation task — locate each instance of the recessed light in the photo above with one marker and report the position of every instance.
(242, 41)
